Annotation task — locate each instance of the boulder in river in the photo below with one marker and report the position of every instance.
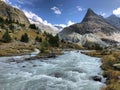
(97, 78)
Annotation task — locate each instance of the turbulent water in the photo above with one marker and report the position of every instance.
(71, 71)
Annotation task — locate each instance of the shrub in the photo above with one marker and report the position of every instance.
(53, 40)
(33, 26)
(24, 38)
(98, 47)
(38, 39)
(1, 20)
(44, 43)
(6, 37)
(42, 49)
(11, 27)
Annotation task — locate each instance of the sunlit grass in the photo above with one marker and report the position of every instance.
(109, 58)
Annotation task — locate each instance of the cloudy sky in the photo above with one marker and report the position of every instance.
(65, 12)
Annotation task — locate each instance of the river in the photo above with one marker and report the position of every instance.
(70, 71)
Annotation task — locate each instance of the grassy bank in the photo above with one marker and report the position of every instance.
(112, 73)
(11, 49)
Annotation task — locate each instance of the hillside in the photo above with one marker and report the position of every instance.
(11, 13)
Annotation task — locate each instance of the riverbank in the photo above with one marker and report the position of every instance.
(111, 67)
(20, 48)
(13, 49)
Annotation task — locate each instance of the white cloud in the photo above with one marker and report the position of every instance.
(7, 1)
(17, 6)
(33, 18)
(79, 8)
(20, 2)
(56, 10)
(65, 25)
(102, 14)
(117, 11)
(70, 23)
(61, 25)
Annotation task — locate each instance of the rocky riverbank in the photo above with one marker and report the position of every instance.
(111, 67)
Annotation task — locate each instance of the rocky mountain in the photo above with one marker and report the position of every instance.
(93, 29)
(92, 23)
(11, 13)
(114, 20)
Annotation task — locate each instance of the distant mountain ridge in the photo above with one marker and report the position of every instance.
(114, 20)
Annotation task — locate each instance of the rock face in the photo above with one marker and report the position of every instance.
(114, 20)
(93, 29)
(11, 13)
(92, 41)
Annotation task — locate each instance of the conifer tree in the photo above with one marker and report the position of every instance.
(24, 38)
(6, 37)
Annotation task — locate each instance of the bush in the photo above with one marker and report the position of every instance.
(33, 26)
(1, 20)
(98, 47)
(43, 46)
(42, 49)
(44, 43)
(38, 39)
(6, 37)
(11, 27)
(53, 40)
(24, 38)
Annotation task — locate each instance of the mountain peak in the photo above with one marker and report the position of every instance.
(90, 11)
(89, 15)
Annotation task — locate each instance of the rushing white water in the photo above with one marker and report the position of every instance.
(71, 71)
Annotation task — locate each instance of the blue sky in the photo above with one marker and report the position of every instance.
(64, 11)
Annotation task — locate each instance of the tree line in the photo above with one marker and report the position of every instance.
(49, 39)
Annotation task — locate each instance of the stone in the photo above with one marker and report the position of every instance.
(97, 78)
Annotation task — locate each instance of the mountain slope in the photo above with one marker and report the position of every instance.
(114, 20)
(93, 26)
(11, 13)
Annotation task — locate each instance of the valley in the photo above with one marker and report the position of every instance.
(36, 55)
